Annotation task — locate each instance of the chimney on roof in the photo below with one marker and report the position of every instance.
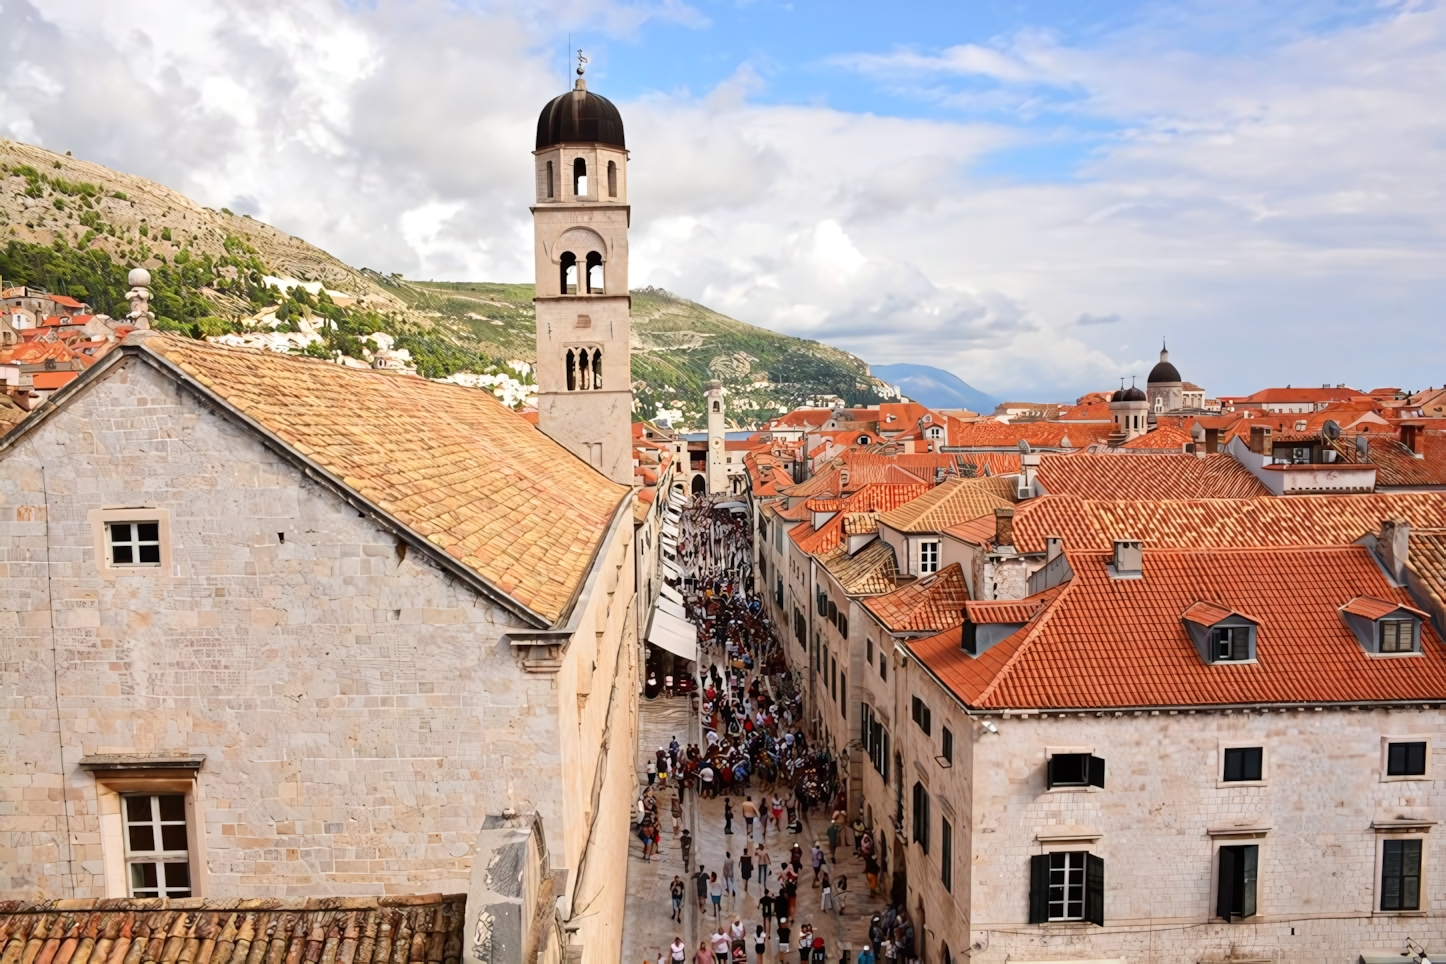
(1363, 449)
(1411, 438)
(1129, 559)
(1212, 441)
(1393, 546)
(1004, 527)
(1053, 548)
(1260, 439)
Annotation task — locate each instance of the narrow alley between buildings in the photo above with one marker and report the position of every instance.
(738, 813)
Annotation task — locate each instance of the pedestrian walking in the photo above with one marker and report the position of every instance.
(750, 813)
(727, 815)
(715, 894)
(805, 943)
(826, 901)
(677, 810)
(760, 858)
(765, 907)
(745, 867)
(700, 884)
(685, 842)
(820, 952)
(652, 772)
(816, 859)
(760, 942)
(719, 941)
(676, 890)
(728, 887)
(678, 951)
(703, 955)
(784, 932)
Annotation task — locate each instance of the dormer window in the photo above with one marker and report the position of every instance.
(1220, 634)
(1384, 628)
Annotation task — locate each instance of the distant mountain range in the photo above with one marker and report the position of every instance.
(934, 387)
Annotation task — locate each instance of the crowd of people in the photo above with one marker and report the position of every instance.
(755, 755)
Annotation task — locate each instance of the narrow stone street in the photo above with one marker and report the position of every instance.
(649, 929)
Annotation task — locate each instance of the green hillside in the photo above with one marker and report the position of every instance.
(678, 347)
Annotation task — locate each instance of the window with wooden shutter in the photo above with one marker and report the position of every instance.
(1235, 893)
(1039, 888)
(921, 817)
(1094, 889)
(1075, 770)
(946, 854)
(1401, 875)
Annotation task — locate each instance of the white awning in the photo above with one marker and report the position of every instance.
(668, 592)
(667, 605)
(675, 635)
(669, 570)
(670, 530)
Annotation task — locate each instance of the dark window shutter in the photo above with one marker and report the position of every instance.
(1225, 892)
(1039, 888)
(1049, 776)
(1095, 889)
(1250, 858)
(1097, 772)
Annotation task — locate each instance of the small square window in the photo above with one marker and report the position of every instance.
(1406, 759)
(1228, 643)
(928, 558)
(1244, 764)
(134, 543)
(1075, 770)
(1397, 636)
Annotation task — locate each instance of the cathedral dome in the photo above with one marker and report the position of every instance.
(1164, 372)
(580, 116)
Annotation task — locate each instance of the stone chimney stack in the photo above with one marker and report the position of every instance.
(1393, 546)
(1260, 440)
(1053, 548)
(1004, 527)
(1129, 559)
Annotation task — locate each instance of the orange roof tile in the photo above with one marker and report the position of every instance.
(870, 571)
(1150, 477)
(987, 433)
(1161, 437)
(1140, 654)
(450, 463)
(1372, 608)
(950, 503)
(1005, 611)
(927, 605)
(1208, 614)
(1206, 523)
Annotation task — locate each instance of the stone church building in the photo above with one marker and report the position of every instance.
(278, 628)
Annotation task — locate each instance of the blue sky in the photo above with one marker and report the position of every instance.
(1030, 195)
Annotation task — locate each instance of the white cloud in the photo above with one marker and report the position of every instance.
(1288, 198)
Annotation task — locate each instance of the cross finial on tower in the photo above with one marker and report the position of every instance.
(1164, 352)
(581, 63)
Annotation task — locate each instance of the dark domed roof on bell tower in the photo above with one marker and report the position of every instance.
(580, 116)
(1164, 371)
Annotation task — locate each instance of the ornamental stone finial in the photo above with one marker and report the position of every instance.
(140, 298)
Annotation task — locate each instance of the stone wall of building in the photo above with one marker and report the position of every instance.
(360, 711)
(1319, 873)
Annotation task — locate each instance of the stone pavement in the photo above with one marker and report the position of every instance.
(648, 929)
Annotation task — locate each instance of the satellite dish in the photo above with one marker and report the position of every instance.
(1331, 429)
(1023, 447)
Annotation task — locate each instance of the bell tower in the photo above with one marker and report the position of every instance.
(580, 227)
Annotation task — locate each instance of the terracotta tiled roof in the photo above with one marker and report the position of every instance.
(1149, 477)
(860, 523)
(952, 502)
(871, 498)
(977, 531)
(1163, 437)
(1372, 608)
(1121, 643)
(870, 571)
(987, 433)
(927, 605)
(989, 463)
(450, 463)
(1301, 520)
(354, 930)
(1208, 614)
(1427, 554)
(1397, 466)
(1006, 611)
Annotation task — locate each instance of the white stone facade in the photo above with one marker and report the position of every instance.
(360, 711)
